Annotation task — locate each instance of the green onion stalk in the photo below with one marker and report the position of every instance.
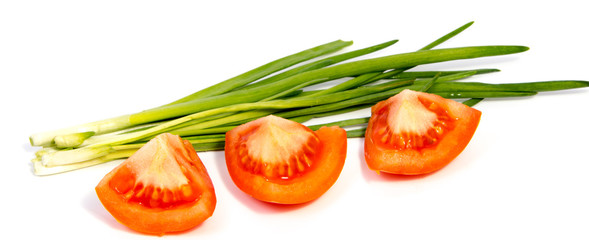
(283, 88)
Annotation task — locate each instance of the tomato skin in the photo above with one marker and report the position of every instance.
(300, 189)
(415, 161)
(159, 221)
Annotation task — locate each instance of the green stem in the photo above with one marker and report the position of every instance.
(473, 101)
(320, 64)
(428, 84)
(430, 46)
(541, 86)
(356, 133)
(352, 83)
(330, 73)
(265, 70)
(343, 123)
(123, 122)
(360, 100)
(430, 74)
(483, 94)
(447, 36)
(258, 109)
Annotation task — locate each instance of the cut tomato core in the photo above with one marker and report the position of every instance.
(412, 122)
(277, 149)
(159, 181)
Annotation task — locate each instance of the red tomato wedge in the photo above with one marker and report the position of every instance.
(162, 188)
(415, 133)
(281, 161)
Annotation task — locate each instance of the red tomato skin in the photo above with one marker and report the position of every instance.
(302, 189)
(426, 160)
(158, 221)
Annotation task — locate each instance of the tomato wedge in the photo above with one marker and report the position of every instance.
(281, 161)
(415, 133)
(162, 188)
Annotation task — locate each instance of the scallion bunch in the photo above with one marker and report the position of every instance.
(281, 88)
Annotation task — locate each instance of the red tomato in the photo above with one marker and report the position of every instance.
(162, 188)
(416, 133)
(282, 161)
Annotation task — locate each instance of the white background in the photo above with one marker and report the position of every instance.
(524, 174)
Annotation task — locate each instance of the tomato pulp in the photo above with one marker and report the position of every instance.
(416, 133)
(162, 188)
(281, 161)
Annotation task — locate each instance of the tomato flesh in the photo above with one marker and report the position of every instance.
(271, 149)
(282, 161)
(163, 187)
(416, 133)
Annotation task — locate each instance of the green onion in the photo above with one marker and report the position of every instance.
(473, 101)
(430, 74)
(265, 70)
(321, 64)
(283, 88)
(319, 76)
(122, 122)
(428, 84)
(72, 140)
(515, 87)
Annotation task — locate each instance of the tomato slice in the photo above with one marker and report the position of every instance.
(164, 187)
(281, 161)
(416, 133)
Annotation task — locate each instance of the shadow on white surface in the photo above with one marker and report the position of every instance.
(30, 151)
(92, 204)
